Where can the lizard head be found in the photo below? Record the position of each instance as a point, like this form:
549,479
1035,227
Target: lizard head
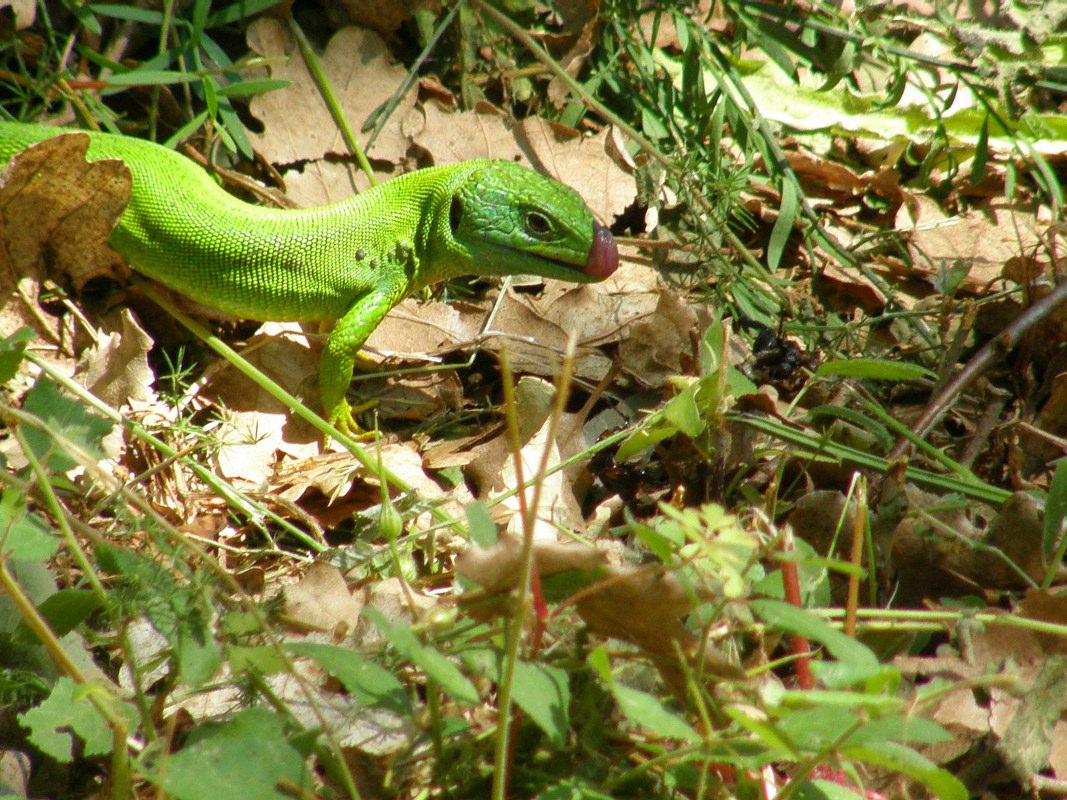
504,219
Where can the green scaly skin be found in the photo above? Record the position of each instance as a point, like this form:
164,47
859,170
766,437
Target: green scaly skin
351,261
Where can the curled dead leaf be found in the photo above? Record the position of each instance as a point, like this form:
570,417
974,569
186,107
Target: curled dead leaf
56,213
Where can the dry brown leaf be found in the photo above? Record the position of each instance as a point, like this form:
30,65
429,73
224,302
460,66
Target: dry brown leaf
25,12
416,330
1036,450
496,569
397,602
298,126
116,369
580,26
73,205
333,486
248,443
944,552
284,353
385,16
984,240
493,465
450,137
582,162
652,326
359,728
641,605
321,601
56,213
16,769
322,182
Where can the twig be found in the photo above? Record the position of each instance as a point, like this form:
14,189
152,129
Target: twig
997,347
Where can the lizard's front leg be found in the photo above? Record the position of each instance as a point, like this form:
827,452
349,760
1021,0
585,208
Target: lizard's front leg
342,347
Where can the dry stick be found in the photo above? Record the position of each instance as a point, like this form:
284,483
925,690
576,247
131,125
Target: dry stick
1001,344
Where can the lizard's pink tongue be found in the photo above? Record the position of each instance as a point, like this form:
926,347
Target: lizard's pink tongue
603,255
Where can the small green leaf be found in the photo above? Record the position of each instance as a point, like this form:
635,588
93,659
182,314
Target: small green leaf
661,546
1055,509
252,88
362,678
543,692
243,9
65,610
904,729
807,698
826,790
803,623
150,77
870,677
600,661
652,126
649,712
62,417
434,663
12,350
980,162
23,534
902,759
480,524
644,438
129,12
875,369
260,659
683,413
197,654
783,226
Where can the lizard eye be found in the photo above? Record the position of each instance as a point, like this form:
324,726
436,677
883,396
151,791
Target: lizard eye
538,223
455,214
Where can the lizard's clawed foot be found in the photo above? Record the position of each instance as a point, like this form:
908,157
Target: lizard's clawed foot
344,419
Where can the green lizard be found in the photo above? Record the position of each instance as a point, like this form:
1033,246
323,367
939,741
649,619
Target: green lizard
351,261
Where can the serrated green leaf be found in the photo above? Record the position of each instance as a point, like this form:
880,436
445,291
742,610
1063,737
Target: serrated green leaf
67,712
64,417
245,757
